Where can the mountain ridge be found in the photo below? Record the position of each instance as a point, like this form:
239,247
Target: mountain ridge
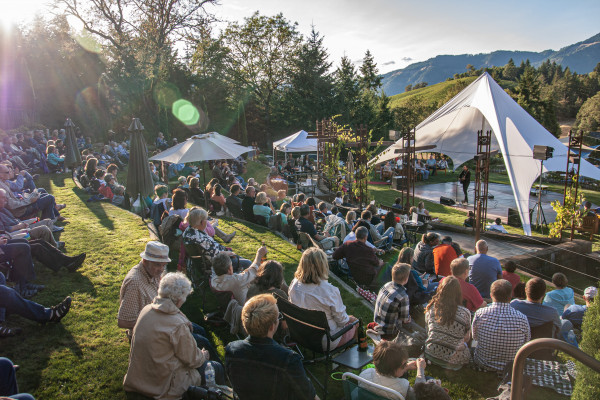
580,57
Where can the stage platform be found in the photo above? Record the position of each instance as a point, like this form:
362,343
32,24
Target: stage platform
497,207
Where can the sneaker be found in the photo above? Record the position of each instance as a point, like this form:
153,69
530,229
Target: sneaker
56,229
9,332
228,238
60,310
76,263
60,245
60,206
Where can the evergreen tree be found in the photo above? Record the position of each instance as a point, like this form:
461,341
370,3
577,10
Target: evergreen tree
347,91
510,71
369,75
308,97
588,117
528,95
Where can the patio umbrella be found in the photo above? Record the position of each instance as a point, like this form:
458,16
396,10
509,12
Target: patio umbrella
139,177
204,147
72,156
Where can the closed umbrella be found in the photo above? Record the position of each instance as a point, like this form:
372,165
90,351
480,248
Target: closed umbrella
204,147
72,155
139,177
350,170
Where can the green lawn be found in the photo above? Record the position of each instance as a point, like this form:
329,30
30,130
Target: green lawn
85,357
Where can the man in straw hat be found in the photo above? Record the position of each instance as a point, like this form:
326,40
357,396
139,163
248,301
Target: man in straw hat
140,287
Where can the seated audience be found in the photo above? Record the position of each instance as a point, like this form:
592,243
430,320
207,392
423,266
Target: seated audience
496,226
54,160
338,199
179,203
484,269
562,296
423,260
362,260
269,279
161,143
398,203
196,234
164,360
160,204
392,306
431,164
262,206
443,256
576,312
421,209
260,368
248,203
519,291
304,225
223,278
234,202
217,196
119,196
310,290
391,364
12,303
389,221
448,327
538,314
472,300
509,274
430,390
499,330
196,194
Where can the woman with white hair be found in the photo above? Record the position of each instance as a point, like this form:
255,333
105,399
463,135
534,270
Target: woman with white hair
164,361
195,234
262,206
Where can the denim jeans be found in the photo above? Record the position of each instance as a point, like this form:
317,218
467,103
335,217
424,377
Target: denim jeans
8,381
202,341
11,302
18,252
45,204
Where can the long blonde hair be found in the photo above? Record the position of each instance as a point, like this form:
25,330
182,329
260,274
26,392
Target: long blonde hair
313,266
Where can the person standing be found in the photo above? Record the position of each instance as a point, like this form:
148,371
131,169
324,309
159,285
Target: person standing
465,179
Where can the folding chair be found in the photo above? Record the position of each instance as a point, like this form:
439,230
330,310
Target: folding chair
352,390
545,330
307,329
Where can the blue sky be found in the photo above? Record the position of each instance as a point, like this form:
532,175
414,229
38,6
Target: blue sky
400,32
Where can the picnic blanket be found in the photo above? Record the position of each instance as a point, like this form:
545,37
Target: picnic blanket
549,374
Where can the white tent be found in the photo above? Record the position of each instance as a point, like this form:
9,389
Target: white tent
485,105
296,143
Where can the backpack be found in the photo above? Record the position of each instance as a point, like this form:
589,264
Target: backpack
169,231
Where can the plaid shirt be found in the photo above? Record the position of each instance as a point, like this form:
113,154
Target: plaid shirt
137,291
391,308
500,331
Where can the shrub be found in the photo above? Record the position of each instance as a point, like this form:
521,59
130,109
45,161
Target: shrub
587,384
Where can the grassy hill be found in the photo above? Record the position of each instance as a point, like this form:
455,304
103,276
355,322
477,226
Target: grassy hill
439,93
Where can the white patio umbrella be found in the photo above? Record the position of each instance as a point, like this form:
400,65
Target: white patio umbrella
203,147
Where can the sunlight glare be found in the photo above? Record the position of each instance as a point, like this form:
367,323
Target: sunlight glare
15,12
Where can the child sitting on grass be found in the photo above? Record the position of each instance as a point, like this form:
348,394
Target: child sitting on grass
391,363
119,196
509,274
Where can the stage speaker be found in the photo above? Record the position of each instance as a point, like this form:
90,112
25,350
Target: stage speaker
542,152
513,218
447,201
397,182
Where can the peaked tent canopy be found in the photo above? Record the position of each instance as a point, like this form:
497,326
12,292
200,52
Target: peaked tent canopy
296,143
485,105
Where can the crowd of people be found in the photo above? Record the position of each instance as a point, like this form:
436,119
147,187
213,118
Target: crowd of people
30,223
468,310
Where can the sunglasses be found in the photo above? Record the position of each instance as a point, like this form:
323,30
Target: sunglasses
280,317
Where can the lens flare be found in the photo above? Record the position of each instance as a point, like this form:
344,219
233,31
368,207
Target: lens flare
186,112
86,41
166,94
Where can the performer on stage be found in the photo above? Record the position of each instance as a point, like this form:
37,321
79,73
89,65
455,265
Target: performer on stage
465,179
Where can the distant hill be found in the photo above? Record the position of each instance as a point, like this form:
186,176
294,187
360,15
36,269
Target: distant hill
439,92
580,57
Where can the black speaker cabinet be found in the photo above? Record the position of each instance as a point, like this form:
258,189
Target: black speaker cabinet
513,218
447,201
397,182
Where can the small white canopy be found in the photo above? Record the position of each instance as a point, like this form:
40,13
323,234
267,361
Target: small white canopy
485,105
296,143
205,147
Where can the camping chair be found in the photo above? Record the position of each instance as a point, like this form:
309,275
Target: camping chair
307,328
198,268
543,331
589,224
352,390
414,233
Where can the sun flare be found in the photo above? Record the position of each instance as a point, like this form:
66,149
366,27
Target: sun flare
15,12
